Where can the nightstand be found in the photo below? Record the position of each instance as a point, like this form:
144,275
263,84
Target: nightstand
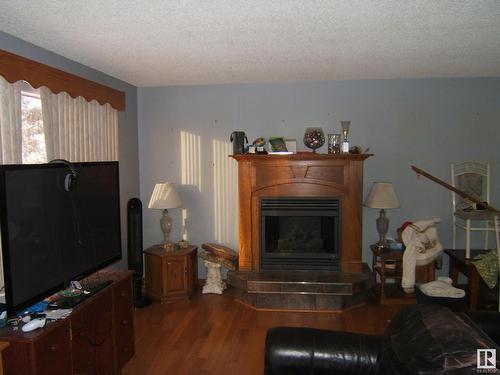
381,256
171,276
380,265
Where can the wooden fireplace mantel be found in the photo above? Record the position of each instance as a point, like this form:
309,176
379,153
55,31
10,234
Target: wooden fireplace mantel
301,175
300,156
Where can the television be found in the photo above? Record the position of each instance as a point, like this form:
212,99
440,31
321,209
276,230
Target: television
52,234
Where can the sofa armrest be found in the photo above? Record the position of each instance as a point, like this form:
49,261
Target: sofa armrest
313,351
488,321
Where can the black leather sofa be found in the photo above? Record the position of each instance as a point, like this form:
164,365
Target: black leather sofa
420,339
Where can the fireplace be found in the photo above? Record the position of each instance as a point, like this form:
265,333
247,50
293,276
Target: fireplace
300,229
301,176
300,233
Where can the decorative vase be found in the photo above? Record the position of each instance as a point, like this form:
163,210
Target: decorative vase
314,138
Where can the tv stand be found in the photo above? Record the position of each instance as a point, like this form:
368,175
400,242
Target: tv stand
97,338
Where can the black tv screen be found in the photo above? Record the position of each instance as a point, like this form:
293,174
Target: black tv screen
50,235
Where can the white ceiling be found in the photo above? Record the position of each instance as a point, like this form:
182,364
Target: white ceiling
157,43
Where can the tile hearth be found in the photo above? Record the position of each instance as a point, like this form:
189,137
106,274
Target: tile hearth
301,290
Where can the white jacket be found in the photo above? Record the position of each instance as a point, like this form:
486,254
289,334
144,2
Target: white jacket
422,247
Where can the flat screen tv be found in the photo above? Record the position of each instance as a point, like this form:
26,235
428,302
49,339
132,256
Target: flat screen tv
50,234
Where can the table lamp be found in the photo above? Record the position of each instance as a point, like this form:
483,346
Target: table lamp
382,196
164,197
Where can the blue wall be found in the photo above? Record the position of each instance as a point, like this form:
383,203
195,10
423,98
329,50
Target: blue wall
127,120
428,123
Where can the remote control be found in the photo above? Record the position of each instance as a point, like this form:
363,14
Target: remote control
33,324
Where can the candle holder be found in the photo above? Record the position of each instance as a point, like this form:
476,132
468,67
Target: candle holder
345,132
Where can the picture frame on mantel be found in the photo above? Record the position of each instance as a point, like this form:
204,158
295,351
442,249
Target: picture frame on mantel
277,144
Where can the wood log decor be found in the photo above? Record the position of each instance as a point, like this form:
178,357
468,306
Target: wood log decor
15,68
301,175
229,264
221,251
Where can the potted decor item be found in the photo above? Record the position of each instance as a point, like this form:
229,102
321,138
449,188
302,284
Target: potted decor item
314,138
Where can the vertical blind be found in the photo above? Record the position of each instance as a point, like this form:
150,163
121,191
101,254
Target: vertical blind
10,122
77,130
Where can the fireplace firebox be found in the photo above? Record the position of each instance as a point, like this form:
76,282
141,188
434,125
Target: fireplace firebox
300,233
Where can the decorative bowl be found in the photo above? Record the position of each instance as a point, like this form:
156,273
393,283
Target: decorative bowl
314,138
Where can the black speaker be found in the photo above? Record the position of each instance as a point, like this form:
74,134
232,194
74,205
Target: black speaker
134,244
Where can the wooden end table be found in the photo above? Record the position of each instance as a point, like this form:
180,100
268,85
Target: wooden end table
423,274
380,256
171,276
458,264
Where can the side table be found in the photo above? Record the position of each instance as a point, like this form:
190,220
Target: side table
458,264
171,276
423,274
380,257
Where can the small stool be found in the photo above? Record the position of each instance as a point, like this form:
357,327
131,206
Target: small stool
214,283
214,257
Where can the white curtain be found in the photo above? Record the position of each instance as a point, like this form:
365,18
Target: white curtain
77,130
11,151
10,123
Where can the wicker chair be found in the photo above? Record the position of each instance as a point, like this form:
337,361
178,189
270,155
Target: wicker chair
473,178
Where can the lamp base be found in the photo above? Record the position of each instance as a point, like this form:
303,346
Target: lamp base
382,227
166,226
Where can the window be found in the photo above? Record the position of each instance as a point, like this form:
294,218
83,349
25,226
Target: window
38,125
33,138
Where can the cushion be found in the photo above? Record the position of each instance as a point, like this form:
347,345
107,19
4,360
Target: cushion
434,340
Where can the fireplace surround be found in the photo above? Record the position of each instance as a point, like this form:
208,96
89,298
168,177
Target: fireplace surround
300,232
301,176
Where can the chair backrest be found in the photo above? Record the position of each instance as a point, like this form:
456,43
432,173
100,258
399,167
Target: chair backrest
497,235
472,177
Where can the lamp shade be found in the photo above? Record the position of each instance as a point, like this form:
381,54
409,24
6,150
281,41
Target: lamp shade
164,196
382,196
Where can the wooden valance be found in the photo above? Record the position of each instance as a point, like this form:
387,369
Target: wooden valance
15,68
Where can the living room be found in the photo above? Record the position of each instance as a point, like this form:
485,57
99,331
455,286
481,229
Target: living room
418,81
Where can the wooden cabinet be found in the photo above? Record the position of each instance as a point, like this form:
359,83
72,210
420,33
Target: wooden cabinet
123,327
44,351
3,345
52,352
91,327
192,272
171,276
97,338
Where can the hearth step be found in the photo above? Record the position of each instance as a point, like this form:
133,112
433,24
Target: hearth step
300,290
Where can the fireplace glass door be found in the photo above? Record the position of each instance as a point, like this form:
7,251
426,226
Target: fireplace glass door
300,233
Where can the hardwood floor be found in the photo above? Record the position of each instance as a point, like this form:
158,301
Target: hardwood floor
213,334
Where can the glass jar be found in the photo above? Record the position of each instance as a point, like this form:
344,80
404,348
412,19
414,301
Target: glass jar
334,143
314,138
